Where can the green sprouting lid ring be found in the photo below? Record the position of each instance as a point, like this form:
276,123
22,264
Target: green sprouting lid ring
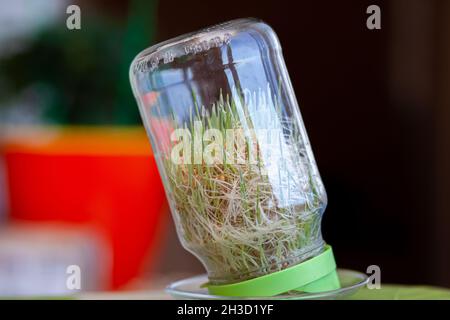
313,275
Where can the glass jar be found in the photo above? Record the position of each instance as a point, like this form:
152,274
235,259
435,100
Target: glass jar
238,170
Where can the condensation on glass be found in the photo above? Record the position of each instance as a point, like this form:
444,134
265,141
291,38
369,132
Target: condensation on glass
238,170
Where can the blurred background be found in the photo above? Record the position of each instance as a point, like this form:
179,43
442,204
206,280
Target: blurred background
78,183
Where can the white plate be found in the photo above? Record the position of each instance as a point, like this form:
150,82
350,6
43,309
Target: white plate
190,288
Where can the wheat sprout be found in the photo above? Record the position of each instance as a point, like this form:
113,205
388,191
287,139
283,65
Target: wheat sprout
237,219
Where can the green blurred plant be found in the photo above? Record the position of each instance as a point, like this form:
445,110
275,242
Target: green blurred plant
82,76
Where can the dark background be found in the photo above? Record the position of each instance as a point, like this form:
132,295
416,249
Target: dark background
375,104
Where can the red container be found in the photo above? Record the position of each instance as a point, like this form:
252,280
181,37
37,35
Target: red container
105,177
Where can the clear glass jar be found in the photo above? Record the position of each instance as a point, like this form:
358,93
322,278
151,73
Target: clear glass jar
232,150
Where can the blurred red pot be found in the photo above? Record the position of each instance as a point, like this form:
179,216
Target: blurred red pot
100,176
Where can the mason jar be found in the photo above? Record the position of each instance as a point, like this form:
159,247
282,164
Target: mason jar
232,150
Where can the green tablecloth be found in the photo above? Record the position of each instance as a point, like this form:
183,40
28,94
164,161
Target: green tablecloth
401,292
387,292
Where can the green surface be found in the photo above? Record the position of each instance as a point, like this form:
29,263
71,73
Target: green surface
402,292
387,292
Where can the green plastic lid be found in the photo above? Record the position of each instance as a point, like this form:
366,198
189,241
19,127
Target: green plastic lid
314,275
